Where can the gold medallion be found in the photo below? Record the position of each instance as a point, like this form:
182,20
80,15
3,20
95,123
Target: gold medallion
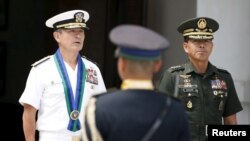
189,104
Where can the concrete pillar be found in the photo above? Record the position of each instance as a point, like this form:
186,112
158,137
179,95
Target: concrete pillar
231,44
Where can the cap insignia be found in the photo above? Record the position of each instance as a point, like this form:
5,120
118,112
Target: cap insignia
79,17
202,23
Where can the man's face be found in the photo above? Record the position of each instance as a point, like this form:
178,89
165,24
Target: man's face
198,50
70,39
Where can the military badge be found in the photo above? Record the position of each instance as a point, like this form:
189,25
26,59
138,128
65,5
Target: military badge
186,81
91,76
189,104
79,17
215,92
185,76
202,23
218,84
74,115
223,85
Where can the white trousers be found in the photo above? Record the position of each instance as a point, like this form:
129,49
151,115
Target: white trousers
55,136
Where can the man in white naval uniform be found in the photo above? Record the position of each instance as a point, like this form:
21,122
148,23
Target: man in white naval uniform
59,85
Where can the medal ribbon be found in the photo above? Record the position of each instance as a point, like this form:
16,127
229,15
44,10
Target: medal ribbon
72,104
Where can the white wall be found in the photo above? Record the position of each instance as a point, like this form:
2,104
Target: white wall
164,16
231,44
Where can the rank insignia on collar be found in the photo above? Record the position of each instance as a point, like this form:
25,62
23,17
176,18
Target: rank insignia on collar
91,76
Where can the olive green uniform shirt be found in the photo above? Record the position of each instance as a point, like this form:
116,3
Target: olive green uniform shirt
207,98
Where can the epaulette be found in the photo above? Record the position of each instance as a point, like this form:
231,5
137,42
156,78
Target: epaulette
222,70
90,60
41,61
176,68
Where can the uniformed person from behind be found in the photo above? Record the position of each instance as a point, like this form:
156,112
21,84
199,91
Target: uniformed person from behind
59,85
207,92
136,112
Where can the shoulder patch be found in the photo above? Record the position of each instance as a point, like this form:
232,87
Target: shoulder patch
41,61
90,60
176,68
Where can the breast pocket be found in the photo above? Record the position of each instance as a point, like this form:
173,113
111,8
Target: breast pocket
190,98
53,93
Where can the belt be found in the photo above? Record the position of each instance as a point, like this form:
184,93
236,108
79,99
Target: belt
59,136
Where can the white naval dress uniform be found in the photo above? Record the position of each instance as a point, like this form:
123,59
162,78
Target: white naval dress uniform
44,91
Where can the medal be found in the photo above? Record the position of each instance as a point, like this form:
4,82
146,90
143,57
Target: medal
74,115
73,102
189,104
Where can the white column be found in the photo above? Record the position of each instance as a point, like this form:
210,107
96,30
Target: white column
232,44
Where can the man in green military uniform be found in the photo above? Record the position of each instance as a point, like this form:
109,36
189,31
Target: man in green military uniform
207,92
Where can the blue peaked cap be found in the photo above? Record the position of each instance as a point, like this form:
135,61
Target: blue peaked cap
138,42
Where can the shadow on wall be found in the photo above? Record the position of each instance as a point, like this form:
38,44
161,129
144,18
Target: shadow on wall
11,118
